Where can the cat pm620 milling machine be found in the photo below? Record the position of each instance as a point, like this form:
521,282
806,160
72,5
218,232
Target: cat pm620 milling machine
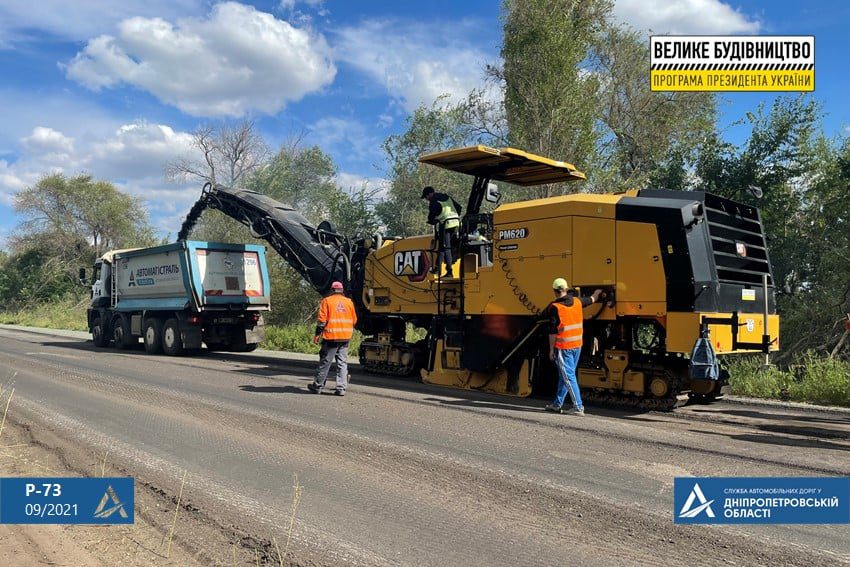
675,265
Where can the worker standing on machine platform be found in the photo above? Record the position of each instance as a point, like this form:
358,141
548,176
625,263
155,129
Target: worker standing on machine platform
566,324
335,328
444,214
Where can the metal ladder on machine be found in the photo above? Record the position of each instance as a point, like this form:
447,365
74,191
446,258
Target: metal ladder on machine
453,339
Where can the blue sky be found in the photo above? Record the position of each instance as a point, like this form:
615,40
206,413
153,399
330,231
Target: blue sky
114,89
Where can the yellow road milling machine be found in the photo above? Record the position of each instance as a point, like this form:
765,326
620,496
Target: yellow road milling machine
680,269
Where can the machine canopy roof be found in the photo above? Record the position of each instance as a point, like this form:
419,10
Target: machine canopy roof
505,164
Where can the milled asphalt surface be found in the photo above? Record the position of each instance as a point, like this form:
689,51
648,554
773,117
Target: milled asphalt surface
398,472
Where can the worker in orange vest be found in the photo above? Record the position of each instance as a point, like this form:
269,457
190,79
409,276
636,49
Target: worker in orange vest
566,326
335,328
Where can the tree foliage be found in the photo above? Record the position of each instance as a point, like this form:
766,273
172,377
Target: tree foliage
67,223
550,96
79,217
647,138
429,129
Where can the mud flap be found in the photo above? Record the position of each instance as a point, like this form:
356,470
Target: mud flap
191,335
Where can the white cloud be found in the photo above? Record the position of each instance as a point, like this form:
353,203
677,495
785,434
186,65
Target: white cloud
10,182
290,4
133,157
415,62
64,113
137,148
234,61
348,181
81,19
685,17
48,140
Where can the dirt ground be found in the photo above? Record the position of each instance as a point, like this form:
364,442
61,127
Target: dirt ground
144,543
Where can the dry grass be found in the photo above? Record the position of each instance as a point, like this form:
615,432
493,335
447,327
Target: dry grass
174,520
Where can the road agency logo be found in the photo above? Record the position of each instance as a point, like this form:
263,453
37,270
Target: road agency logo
696,504
110,504
761,500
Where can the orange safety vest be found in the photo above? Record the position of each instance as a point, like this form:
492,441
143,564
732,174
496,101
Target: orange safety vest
336,312
570,324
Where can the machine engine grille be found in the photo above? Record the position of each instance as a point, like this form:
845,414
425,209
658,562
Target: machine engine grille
737,241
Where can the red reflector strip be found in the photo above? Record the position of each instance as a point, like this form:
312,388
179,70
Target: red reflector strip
214,292
251,292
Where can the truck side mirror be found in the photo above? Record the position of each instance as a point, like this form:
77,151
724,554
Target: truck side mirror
82,276
492,195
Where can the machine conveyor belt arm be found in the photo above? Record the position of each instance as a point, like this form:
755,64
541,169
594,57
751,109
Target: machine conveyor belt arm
320,256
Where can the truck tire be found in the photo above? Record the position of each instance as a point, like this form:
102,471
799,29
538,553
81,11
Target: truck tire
98,338
153,336
121,336
172,343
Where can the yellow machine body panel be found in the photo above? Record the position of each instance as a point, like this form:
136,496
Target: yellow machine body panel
683,331
641,286
448,371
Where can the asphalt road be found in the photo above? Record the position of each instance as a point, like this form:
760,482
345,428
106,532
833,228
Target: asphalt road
398,472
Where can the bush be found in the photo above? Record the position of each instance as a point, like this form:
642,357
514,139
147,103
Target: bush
823,381
811,378
299,338
748,378
66,313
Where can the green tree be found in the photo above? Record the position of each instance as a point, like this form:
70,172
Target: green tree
302,177
813,315
433,129
305,179
648,138
549,94
67,223
79,217
778,159
33,276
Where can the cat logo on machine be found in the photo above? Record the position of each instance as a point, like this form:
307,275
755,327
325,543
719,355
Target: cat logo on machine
513,233
412,263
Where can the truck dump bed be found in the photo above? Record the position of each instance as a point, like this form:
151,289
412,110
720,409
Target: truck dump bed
204,276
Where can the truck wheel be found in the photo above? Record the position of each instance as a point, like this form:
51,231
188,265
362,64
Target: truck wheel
97,336
153,336
121,336
172,343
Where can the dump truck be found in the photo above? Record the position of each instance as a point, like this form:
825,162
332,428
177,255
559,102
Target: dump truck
679,269
177,296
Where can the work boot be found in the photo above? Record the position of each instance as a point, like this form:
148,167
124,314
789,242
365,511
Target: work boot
554,409
313,388
575,411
